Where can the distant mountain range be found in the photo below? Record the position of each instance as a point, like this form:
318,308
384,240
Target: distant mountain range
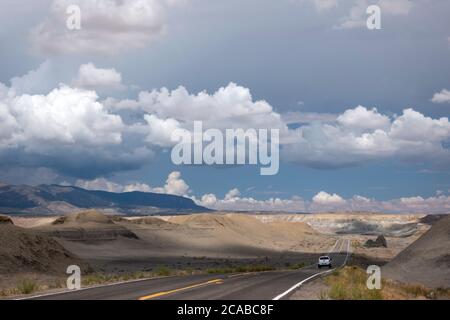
55,199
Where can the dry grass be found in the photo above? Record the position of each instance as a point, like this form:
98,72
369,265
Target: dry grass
27,286
163,271
397,290
349,283
244,268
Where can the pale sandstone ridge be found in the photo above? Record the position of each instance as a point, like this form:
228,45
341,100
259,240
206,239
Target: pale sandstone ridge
250,231
83,217
148,222
395,225
85,226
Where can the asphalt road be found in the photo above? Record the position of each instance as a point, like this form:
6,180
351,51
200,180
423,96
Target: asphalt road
244,286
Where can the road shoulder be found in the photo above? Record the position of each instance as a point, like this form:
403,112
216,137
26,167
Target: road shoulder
312,290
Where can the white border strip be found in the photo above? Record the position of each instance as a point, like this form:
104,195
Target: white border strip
298,285
280,296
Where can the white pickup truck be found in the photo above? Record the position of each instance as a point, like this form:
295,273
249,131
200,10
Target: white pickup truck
324,261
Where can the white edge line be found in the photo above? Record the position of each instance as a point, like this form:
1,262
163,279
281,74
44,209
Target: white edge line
280,296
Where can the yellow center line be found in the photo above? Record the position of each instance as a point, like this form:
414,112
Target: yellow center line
163,293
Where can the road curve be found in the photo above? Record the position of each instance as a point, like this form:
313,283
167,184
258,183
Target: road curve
244,286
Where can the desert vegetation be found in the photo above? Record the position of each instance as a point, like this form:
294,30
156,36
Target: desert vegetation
349,283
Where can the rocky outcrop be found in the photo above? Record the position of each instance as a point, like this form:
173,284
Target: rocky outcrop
379,242
5,220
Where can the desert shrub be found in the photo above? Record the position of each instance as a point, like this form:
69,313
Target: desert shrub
163,271
356,244
220,270
243,268
337,291
27,286
189,270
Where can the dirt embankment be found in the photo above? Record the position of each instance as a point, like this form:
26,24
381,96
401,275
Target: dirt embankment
425,261
24,250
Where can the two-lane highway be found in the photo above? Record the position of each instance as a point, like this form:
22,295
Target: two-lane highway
244,286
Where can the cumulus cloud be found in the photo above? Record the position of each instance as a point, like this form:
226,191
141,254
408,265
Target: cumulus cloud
71,130
67,130
229,107
36,81
361,118
142,187
208,200
91,77
352,138
441,97
107,185
415,204
232,194
325,202
65,116
98,184
324,198
233,201
107,26
360,135
159,131
174,185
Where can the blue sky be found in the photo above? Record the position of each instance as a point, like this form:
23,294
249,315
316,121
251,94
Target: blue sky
310,59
